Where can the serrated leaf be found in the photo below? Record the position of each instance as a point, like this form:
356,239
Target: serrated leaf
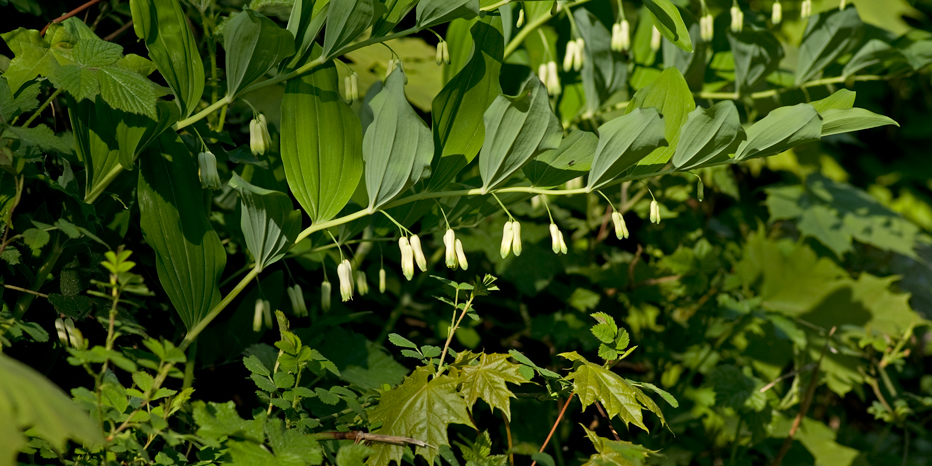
605,332
517,128
346,20
172,47
623,142
622,340
36,239
670,95
263,383
126,90
397,146
321,143
189,255
607,353
757,54
829,35
401,341
96,53
709,136
77,80
836,121
572,159
434,12
614,451
41,136
32,57
430,351
486,380
254,44
353,454
782,129
12,106
143,380
663,393
255,366
216,420
669,22
283,380
420,408
291,447
459,108
268,221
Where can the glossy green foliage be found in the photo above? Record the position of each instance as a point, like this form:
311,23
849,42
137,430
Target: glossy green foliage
254,44
572,159
321,144
757,55
397,147
268,221
162,24
670,95
709,136
782,129
669,22
516,130
828,35
433,12
304,24
623,143
189,256
603,71
346,19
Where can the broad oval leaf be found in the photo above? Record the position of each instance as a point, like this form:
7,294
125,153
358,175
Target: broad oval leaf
269,223
434,12
517,129
306,20
346,20
397,10
603,71
623,142
321,143
188,255
874,52
571,160
172,47
254,44
836,121
397,147
669,94
668,21
842,98
829,35
782,129
757,54
459,108
709,136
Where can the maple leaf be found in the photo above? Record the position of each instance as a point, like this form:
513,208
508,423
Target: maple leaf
419,408
487,379
615,451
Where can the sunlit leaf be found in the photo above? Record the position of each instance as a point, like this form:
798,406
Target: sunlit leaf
836,121
616,452
433,12
782,129
829,35
709,136
842,98
269,223
668,21
571,160
671,96
254,44
486,380
623,142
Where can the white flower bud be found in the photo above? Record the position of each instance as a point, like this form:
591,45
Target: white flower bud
507,237
563,248
654,212
805,9
347,89
624,35
257,316
389,67
449,243
381,280
520,16
842,5
267,313
325,290
737,19
361,284
259,139
207,170
461,256
516,240
296,295
555,238
553,79
446,52
439,58
568,56
707,27
345,274
621,230
264,131
615,43
407,258
62,333
74,335
655,39
777,15
578,54
418,253
542,74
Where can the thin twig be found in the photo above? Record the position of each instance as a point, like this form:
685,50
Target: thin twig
121,30
359,436
555,424
24,290
70,14
787,375
610,426
511,455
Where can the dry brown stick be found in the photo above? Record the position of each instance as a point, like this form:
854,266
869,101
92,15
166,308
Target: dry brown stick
70,14
121,30
610,426
555,424
804,406
511,455
360,436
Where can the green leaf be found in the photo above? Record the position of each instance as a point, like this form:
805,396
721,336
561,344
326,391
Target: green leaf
571,160
126,90
671,96
353,454
401,341
268,221
434,12
172,47
34,56
874,52
842,98
605,332
603,71
836,121
397,146
623,142
668,21
321,143
41,136
614,451
143,380
254,44
346,20
12,106
593,382
663,393
516,130
829,35
217,420
397,10
291,447
757,54
173,218
305,22
458,109
30,401
486,380
709,136
420,408
36,239
783,129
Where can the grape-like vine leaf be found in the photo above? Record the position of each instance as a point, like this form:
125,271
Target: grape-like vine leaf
486,380
419,408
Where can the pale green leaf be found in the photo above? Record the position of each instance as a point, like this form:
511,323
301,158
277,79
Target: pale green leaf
669,22
397,10
33,57
433,12
783,129
346,20
353,454
254,44
572,159
268,221
603,71
842,98
80,82
173,218
41,136
397,146
836,121
709,136
24,100
593,383
516,130
486,380
829,35
671,96
615,452
623,142
757,54
874,52
304,23
321,143
96,52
